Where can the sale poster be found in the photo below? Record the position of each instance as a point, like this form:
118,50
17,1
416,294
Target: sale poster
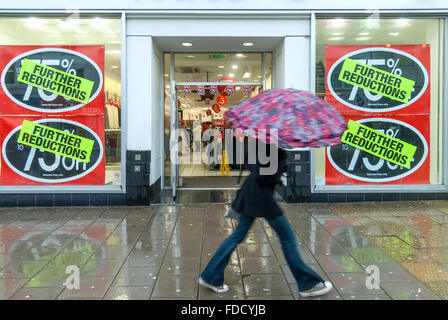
52,115
369,80
384,88
53,151
346,164
51,80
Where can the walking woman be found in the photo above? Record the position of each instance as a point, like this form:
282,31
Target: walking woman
255,199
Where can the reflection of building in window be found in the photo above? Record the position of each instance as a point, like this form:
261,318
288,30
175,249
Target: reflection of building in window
112,117
113,133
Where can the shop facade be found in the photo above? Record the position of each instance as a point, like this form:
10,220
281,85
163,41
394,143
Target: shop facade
92,99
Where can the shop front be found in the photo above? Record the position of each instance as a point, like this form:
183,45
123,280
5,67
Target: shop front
112,107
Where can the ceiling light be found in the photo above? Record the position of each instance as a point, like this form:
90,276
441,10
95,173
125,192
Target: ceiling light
220,75
246,75
402,22
231,75
394,34
336,34
248,44
221,67
335,38
99,23
337,22
34,23
240,55
114,67
165,75
190,57
364,34
362,38
187,44
235,66
113,51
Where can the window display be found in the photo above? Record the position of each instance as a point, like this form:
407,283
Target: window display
373,75
59,101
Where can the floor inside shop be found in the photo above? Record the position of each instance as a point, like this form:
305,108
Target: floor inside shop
205,176
158,252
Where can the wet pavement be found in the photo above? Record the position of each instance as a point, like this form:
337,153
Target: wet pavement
157,252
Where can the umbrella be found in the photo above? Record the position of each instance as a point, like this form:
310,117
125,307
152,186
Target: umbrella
301,118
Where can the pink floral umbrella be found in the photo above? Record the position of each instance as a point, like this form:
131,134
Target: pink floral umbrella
302,119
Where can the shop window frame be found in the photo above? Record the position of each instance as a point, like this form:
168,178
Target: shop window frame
82,189
388,188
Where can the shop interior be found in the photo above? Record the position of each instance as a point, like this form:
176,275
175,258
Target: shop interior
200,110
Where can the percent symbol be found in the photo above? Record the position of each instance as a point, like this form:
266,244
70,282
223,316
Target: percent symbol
393,64
67,64
392,132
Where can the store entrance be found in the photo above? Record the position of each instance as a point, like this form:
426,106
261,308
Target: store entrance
204,150
207,143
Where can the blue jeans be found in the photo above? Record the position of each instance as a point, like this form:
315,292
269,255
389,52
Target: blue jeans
305,277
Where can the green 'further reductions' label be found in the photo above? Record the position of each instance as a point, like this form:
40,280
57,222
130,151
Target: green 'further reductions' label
55,141
376,80
378,144
55,81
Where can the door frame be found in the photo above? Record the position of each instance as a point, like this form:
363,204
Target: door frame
174,168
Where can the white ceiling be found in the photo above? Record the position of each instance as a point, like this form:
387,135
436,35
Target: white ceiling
218,44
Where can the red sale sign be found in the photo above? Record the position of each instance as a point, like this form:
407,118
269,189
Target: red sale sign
221,100
345,164
378,86
25,165
63,63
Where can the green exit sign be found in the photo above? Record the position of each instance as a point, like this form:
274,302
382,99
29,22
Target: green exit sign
217,56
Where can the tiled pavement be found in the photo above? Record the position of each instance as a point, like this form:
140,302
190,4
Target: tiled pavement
157,252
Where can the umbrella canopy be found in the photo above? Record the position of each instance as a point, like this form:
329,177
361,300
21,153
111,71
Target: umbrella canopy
301,118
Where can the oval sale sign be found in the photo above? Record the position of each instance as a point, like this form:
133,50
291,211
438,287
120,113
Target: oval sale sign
364,160
52,151
51,79
377,79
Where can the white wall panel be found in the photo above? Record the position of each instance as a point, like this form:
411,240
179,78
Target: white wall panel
203,27
156,112
225,4
297,62
278,66
291,64
138,84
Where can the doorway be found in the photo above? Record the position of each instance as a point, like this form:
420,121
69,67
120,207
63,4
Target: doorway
199,88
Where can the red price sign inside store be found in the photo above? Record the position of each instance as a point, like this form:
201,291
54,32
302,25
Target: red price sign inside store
221,100
216,108
219,123
55,86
